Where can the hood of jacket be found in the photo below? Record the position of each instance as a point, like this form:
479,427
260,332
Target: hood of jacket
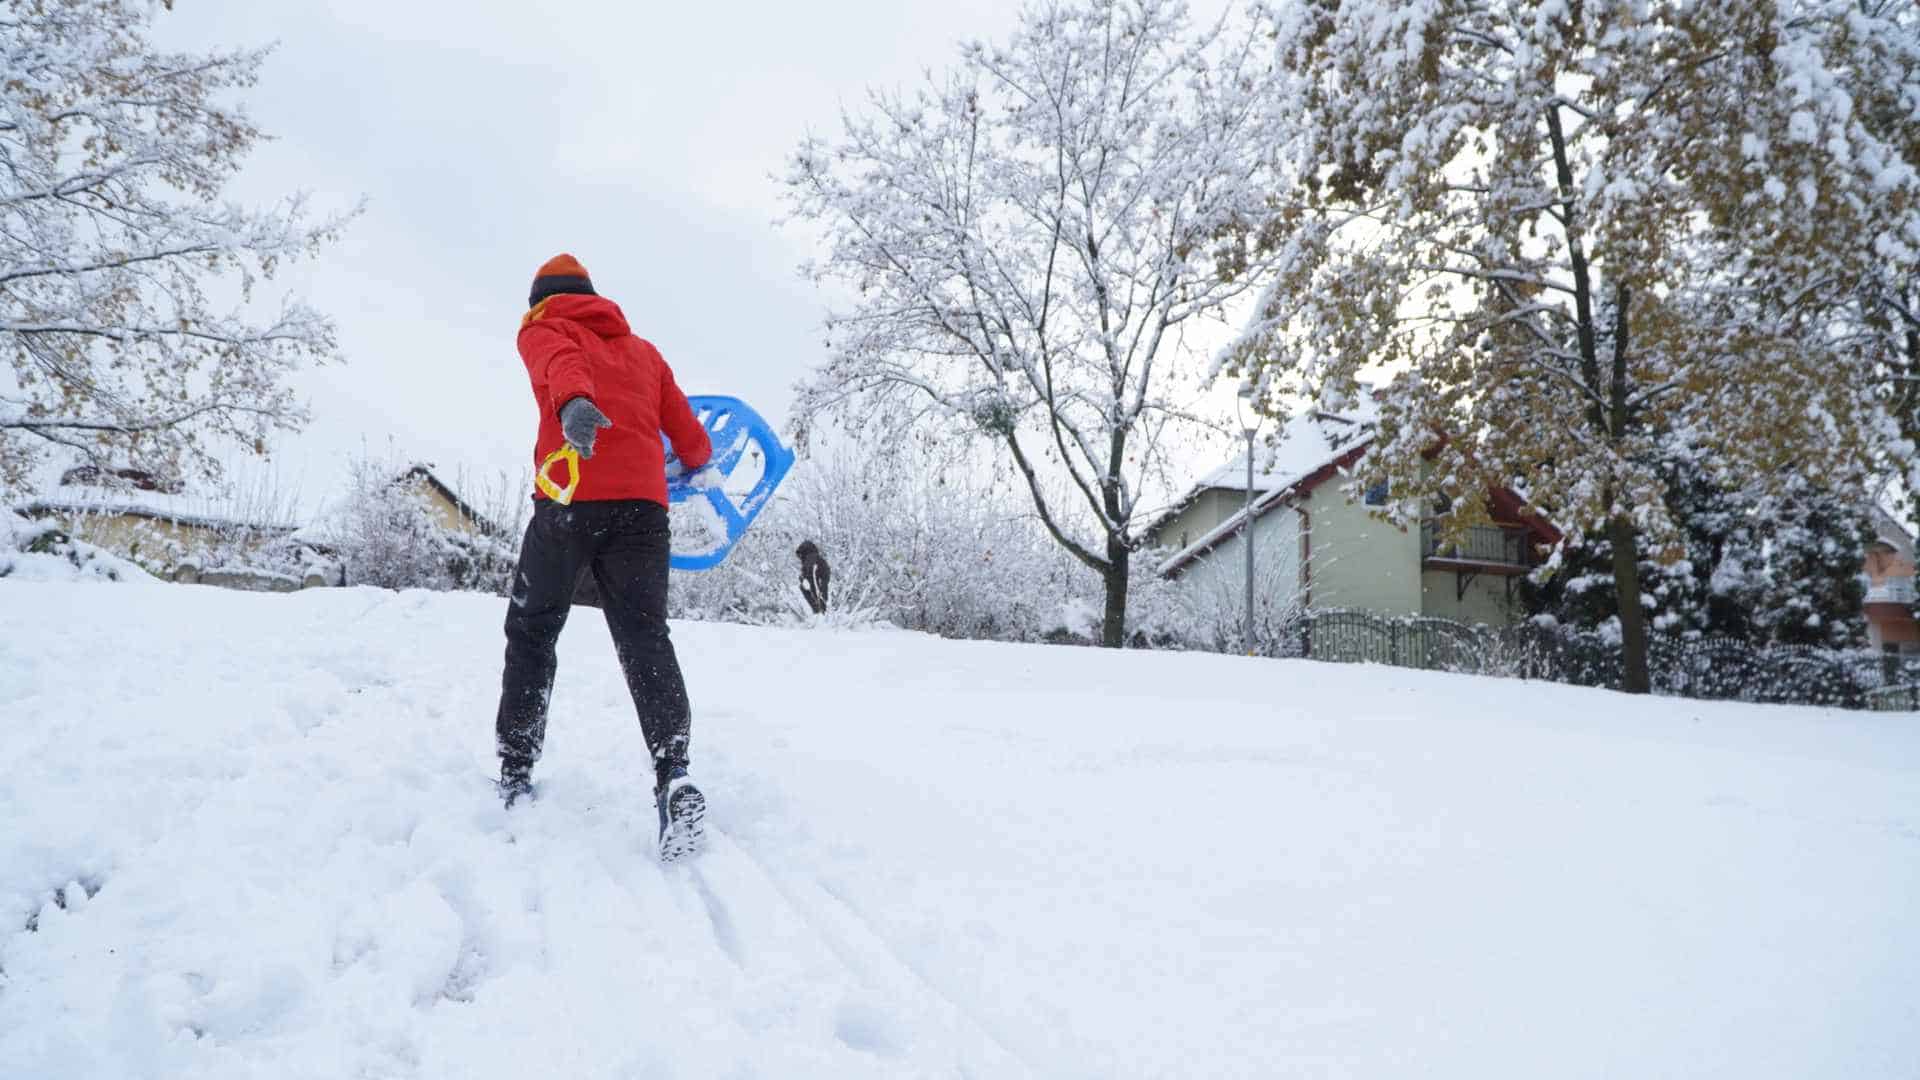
596,313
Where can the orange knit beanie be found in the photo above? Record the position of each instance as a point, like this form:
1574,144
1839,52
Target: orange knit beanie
560,274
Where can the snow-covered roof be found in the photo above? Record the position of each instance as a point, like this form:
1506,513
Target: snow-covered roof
1888,504
321,527
1310,448
1307,442
425,471
62,488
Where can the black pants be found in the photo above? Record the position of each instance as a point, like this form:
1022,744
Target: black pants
625,544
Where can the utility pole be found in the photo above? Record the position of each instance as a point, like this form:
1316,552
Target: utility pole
1249,423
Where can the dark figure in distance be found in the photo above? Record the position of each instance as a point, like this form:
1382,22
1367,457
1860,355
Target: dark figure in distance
814,576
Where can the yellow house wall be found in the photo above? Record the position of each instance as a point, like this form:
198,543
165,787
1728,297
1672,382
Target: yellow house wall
154,543
1485,599
1207,512
445,513
1276,550
1360,562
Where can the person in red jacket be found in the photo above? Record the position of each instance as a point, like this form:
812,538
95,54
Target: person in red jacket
611,395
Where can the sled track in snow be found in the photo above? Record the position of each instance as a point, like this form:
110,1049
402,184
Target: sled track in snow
861,950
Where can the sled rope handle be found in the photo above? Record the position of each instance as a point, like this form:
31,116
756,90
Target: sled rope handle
561,495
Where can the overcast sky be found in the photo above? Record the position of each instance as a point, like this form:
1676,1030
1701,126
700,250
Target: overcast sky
487,136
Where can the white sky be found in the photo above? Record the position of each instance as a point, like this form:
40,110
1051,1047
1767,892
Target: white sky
488,136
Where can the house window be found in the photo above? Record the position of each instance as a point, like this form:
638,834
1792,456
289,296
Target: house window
1377,494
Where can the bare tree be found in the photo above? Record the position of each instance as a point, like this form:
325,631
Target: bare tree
1030,239
921,537
113,235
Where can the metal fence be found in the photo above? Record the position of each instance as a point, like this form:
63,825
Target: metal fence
1707,667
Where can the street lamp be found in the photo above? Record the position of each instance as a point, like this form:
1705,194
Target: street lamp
1249,423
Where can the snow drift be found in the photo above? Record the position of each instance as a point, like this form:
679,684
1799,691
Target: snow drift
254,835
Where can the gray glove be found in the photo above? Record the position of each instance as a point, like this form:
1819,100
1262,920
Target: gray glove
580,422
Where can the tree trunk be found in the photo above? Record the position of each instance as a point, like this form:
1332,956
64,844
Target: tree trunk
1633,619
1113,624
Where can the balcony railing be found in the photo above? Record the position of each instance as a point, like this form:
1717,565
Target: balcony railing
1493,545
1891,591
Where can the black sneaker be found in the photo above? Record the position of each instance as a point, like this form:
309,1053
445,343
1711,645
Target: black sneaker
515,784
683,812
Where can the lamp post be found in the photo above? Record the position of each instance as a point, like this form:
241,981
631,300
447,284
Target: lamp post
1249,423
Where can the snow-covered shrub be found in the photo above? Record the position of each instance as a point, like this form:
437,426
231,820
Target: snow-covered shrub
383,532
41,551
236,528
1208,611
502,502
913,540
481,562
1772,563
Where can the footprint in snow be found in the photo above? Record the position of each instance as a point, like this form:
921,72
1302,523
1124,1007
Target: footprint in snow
864,1027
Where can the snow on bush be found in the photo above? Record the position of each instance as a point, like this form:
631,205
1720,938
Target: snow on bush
248,530
913,541
1208,611
40,551
384,533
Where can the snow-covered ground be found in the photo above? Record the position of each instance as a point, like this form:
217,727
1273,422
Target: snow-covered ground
254,836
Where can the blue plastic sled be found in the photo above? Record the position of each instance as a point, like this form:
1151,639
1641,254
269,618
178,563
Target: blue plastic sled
735,429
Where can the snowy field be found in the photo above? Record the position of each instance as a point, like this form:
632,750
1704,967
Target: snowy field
255,836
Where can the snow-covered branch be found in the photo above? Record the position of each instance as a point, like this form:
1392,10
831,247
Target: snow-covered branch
112,235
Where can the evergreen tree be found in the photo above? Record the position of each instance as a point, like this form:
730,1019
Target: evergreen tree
1811,590
1761,569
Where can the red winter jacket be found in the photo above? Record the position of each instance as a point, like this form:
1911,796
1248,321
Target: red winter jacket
577,345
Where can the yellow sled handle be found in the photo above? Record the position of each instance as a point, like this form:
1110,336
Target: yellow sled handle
560,495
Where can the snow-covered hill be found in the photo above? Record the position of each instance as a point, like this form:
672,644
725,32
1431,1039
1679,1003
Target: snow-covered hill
254,836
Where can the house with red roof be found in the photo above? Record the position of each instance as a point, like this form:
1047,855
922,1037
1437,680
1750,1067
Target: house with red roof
1334,549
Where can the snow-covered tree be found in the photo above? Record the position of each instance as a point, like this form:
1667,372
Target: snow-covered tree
1771,567
384,534
1578,229
1891,311
118,256
1880,84
1029,242
1810,585
917,536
